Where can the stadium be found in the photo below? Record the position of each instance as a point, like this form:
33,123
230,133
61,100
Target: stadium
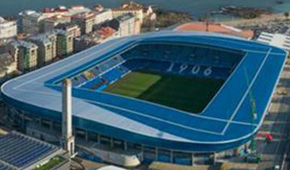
172,95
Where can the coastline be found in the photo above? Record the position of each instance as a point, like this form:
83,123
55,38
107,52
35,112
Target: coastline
256,21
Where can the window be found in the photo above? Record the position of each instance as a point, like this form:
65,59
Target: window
33,52
93,136
80,133
105,140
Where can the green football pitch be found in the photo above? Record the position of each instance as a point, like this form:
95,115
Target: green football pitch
180,92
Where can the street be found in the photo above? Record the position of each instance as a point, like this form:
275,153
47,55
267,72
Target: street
277,124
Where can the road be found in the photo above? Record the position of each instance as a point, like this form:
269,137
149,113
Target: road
277,122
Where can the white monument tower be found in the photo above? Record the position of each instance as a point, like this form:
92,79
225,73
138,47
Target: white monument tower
68,142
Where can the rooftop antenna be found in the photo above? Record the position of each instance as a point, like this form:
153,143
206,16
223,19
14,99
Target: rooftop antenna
206,20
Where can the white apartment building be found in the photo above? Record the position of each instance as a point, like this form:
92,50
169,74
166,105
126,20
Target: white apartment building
103,15
8,29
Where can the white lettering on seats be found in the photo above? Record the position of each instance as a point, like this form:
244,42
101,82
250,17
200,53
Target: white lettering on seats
183,67
170,67
195,69
207,71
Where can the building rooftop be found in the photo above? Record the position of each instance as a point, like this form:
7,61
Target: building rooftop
110,168
2,20
65,26
100,11
31,13
84,15
44,38
215,28
73,10
23,43
59,18
125,17
19,151
162,166
60,31
278,40
99,7
106,31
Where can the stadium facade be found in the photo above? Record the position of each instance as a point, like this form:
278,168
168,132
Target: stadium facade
231,118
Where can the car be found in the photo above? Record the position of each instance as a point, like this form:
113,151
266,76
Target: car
253,158
276,167
282,92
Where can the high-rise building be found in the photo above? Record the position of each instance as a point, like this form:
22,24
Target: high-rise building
64,43
46,48
25,54
137,28
50,23
85,21
8,29
31,22
125,24
102,15
71,28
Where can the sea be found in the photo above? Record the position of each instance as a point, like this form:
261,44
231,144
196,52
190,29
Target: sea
197,8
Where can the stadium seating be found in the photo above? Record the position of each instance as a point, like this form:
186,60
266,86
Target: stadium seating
166,58
118,71
186,54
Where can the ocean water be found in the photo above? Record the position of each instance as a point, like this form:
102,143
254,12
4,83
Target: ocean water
197,8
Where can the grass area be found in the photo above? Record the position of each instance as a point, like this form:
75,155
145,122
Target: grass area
53,162
180,92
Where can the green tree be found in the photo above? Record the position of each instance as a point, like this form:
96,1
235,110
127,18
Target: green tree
286,14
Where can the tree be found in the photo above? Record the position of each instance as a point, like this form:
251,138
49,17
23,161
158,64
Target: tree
286,14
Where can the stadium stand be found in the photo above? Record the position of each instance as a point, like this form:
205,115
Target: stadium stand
139,57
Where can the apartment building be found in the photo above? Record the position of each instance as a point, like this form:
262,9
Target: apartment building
85,21
64,43
71,28
8,29
102,15
124,24
51,23
31,22
46,48
25,54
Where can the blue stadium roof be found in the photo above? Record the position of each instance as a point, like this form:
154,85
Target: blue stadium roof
227,121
